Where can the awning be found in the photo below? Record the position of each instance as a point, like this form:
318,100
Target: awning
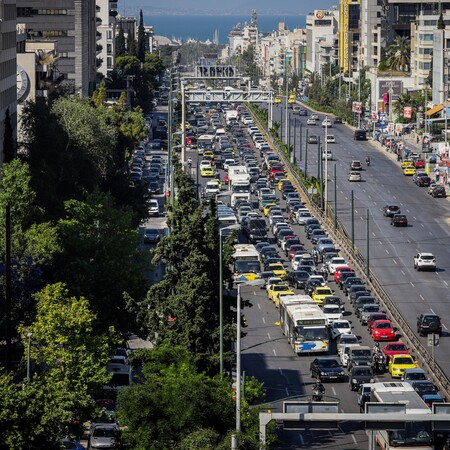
435,110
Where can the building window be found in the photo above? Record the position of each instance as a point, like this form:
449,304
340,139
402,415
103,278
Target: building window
109,49
426,37
425,51
430,23
109,34
109,62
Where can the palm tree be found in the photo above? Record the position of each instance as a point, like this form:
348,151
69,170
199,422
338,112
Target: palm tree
399,54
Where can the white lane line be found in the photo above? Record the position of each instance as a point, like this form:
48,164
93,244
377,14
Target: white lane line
302,441
422,225
354,439
373,234
421,296
334,390
274,352
445,282
264,319
287,392
380,242
414,218
430,233
403,273
254,293
395,262
432,311
268,335
387,251
412,284
259,306
444,327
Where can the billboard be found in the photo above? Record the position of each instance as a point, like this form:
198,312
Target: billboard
407,112
389,87
216,72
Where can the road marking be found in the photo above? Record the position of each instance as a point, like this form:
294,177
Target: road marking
274,352
254,293
259,306
268,335
373,234
264,320
334,390
432,311
395,262
412,284
445,283
287,392
414,218
302,441
403,273
421,296
354,439
380,242
443,326
386,250
422,225
430,233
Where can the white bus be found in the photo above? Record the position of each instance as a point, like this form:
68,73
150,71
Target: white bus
205,142
414,436
246,263
304,323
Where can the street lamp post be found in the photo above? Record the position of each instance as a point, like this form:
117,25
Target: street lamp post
231,227
326,166
29,356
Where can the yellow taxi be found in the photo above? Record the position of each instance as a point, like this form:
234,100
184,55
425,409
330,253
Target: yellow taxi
282,182
406,163
409,170
278,270
399,363
219,182
291,98
208,154
206,171
275,290
267,207
277,100
320,292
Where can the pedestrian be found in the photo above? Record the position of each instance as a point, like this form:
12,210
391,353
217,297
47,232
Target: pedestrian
437,174
418,139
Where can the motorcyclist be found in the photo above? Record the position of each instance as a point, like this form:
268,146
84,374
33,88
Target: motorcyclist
376,348
368,160
318,390
189,162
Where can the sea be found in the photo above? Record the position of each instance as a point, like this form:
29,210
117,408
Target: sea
205,27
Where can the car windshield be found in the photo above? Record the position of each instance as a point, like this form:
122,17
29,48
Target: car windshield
328,363
348,339
363,352
332,310
403,360
427,257
341,325
279,288
312,334
247,266
104,432
384,325
424,387
397,348
324,291
361,372
416,376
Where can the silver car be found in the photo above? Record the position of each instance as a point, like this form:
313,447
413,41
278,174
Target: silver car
354,176
104,436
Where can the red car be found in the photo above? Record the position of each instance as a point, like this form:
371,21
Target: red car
382,330
338,270
373,318
395,348
294,249
419,164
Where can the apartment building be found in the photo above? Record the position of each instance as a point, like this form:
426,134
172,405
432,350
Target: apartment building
73,24
8,66
106,35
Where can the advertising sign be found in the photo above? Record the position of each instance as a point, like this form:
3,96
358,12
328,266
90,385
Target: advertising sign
357,107
386,87
407,112
216,72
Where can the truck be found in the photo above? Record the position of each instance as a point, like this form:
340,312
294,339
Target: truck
236,172
304,323
239,183
231,116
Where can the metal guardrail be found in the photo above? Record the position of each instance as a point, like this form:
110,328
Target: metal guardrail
340,236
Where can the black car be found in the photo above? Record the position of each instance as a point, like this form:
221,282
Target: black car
151,236
390,210
317,234
399,220
311,228
313,139
337,120
349,282
153,187
302,112
424,387
439,191
333,300
360,375
360,135
298,278
429,323
423,181
357,289
327,369
343,277
311,221
311,285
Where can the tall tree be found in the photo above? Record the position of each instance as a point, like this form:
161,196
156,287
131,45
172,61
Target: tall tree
9,146
141,38
399,54
121,49
132,48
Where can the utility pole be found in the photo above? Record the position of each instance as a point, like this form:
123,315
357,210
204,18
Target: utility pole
352,207
367,245
326,167
287,94
335,198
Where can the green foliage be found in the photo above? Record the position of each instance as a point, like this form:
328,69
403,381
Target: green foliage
415,100
141,38
399,54
120,43
65,343
36,415
101,259
174,400
99,97
42,244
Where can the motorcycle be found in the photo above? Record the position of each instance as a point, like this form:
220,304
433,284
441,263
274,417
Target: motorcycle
368,162
318,391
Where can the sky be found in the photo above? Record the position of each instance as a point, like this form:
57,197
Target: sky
231,6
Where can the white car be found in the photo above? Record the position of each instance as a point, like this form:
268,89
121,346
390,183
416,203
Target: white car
326,123
272,281
314,116
335,262
346,339
228,162
298,261
345,352
340,327
311,121
327,155
205,163
330,139
303,216
354,176
274,218
424,261
320,278
332,313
